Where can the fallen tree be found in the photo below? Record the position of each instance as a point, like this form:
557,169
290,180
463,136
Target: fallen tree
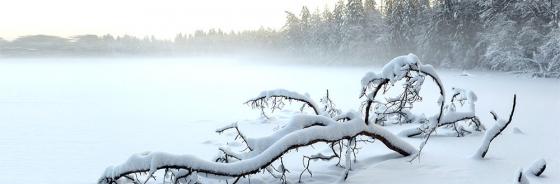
340,131
300,136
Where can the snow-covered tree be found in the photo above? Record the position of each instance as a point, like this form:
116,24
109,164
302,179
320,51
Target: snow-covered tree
305,20
402,19
353,31
330,32
339,14
452,33
374,31
341,131
548,56
265,154
292,30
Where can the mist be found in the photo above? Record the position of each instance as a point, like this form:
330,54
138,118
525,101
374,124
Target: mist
517,37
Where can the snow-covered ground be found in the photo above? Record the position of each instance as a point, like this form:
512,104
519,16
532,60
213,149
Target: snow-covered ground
65,121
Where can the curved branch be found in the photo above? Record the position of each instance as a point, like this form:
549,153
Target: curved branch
428,70
261,100
298,122
372,98
333,132
493,132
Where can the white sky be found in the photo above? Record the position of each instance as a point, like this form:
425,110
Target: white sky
161,18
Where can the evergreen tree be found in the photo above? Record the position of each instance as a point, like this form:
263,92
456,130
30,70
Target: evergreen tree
548,58
330,31
402,19
373,26
305,21
353,32
292,31
339,14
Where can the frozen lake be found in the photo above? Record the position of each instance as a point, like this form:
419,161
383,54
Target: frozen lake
64,121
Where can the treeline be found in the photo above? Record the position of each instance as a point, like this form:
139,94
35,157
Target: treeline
200,42
506,35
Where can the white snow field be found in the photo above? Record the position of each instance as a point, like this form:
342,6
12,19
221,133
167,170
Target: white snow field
66,120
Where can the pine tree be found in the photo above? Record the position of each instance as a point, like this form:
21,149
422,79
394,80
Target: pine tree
402,19
292,31
305,18
374,30
373,20
317,33
353,31
305,21
330,32
339,16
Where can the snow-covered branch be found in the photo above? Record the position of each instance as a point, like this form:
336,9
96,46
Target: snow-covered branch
405,68
328,106
493,132
452,117
331,131
412,72
275,99
536,168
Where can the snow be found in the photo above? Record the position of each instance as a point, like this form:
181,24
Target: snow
395,69
516,130
465,74
65,121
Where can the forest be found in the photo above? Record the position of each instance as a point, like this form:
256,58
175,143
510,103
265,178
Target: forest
518,36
